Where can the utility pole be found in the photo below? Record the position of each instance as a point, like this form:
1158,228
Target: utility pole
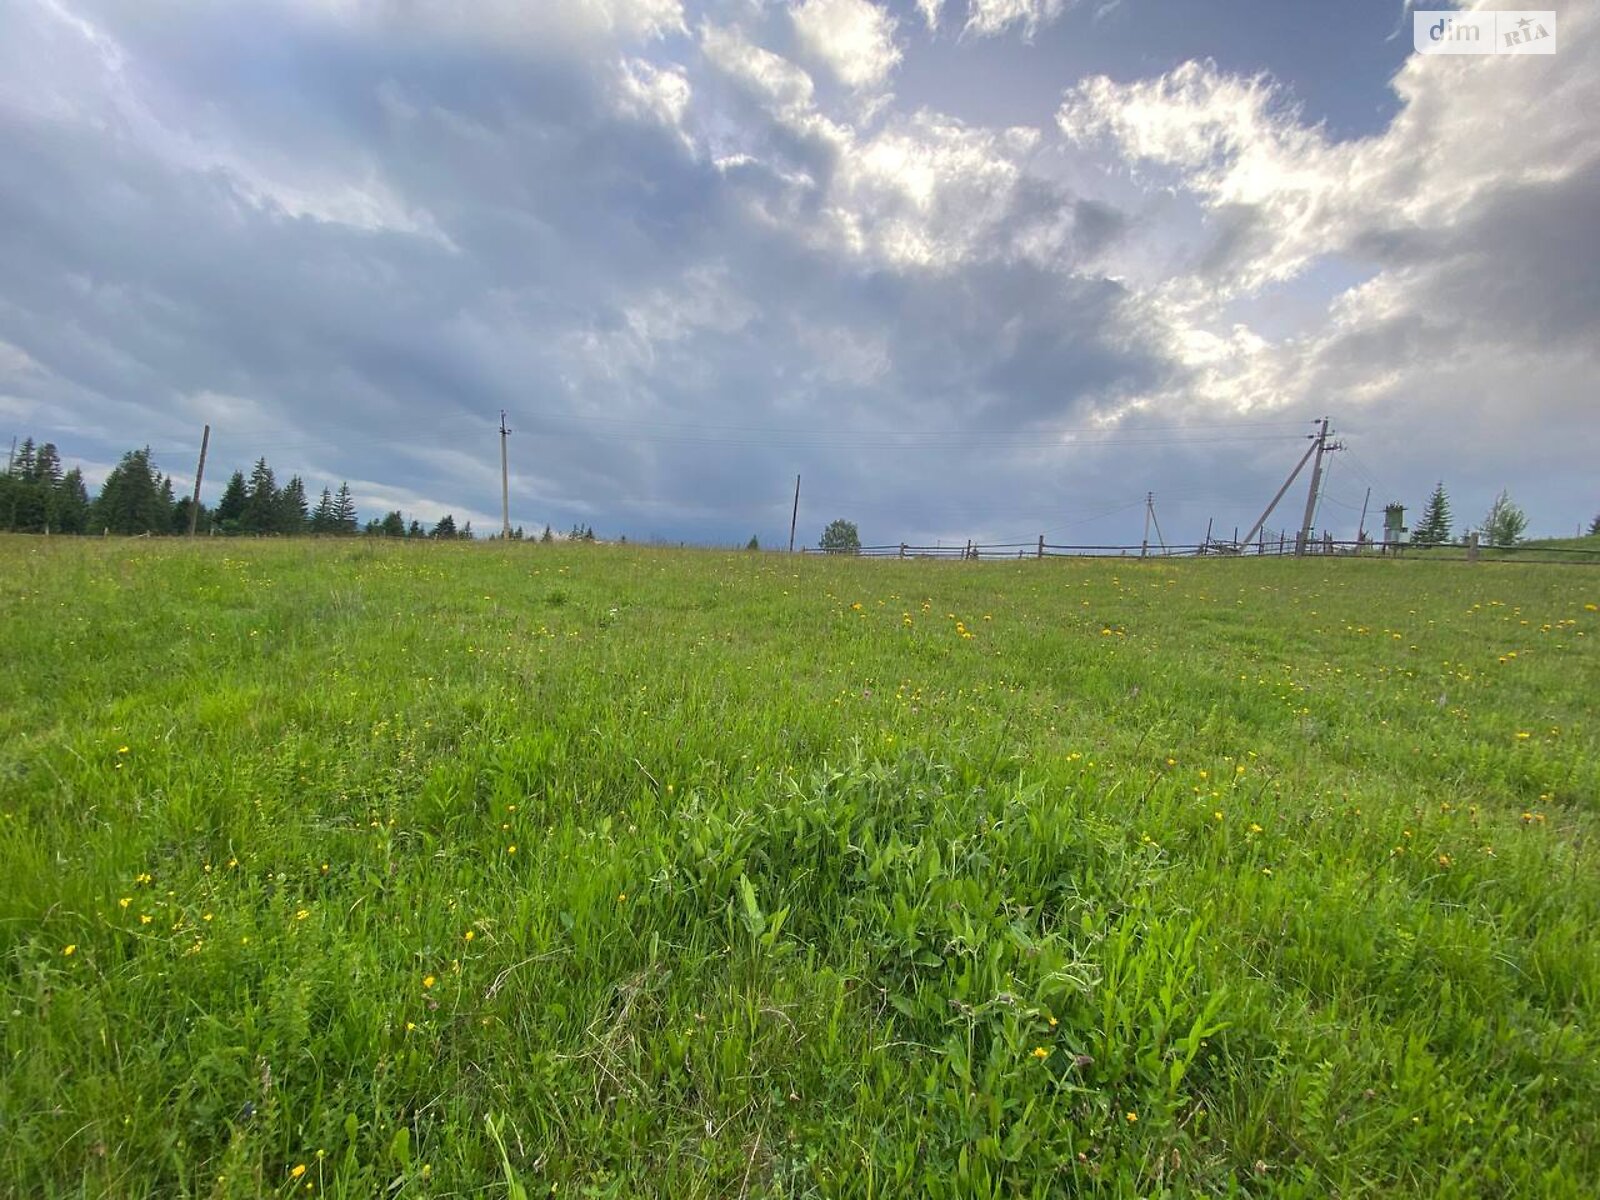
1361,529
1303,542
505,481
199,474
12,457
794,517
1157,520
1287,483
1149,511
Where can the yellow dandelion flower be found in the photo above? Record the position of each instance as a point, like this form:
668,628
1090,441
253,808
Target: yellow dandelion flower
145,918
428,981
468,935
297,1170
1254,828
511,849
622,897
124,901
70,949
1040,1052
1444,860
1217,816
1133,1118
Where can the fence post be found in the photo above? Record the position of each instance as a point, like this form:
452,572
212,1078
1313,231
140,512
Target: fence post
1041,545
1472,547
902,549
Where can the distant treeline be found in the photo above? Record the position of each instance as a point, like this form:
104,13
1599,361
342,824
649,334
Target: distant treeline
36,496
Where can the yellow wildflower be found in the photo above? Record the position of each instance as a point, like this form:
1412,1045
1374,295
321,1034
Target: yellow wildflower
70,949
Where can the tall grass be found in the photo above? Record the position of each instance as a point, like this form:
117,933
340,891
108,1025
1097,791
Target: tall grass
362,869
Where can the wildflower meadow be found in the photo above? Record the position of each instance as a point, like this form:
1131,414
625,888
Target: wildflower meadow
366,869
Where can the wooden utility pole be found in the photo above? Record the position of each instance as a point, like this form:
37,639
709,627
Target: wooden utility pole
505,481
794,517
199,474
1361,529
1287,483
1149,509
1303,542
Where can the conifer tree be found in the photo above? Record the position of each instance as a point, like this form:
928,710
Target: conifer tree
1434,527
446,527
414,530
261,509
70,512
393,525
135,498
292,515
322,515
230,509
344,512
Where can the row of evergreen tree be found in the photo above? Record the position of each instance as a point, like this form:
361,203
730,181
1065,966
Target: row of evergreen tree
36,496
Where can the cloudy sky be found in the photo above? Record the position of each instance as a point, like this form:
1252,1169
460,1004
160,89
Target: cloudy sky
974,268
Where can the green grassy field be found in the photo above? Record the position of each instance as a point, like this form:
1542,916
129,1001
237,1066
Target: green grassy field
373,869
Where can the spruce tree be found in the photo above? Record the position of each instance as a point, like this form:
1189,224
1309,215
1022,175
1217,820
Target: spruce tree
292,515
548,536
230,509
261,509
1594,526
134,499
47,466
414,530
1434,527
446,527
70,510
30,492
344,512
393,525
322,515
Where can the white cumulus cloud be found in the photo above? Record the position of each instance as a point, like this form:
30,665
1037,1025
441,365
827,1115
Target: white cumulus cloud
854,38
